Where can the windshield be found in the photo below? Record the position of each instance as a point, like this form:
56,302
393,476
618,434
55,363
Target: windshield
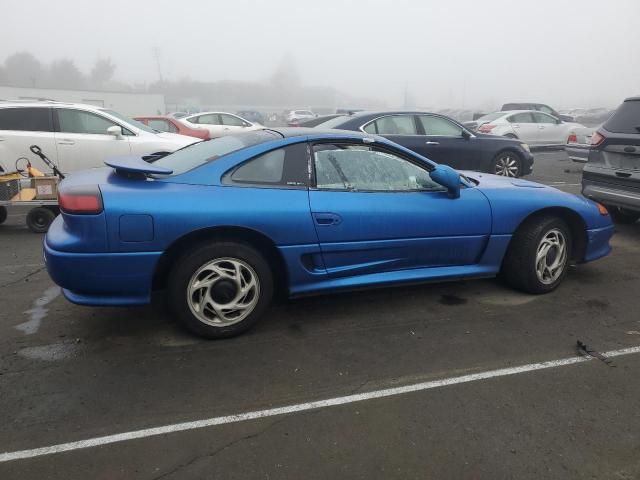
489,117
200,153
130,121
333,122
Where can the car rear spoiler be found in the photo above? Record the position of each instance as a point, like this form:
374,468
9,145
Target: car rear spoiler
133,164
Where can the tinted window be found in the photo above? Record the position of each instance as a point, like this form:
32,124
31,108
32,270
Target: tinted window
351,167
162,125
626,118
26,119
439,126
287,166
200,153
394,125
78,121
232,121
521,118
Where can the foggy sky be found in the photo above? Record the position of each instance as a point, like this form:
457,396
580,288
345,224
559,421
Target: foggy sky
456,53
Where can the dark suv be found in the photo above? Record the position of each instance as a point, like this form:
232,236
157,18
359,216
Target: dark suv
612,173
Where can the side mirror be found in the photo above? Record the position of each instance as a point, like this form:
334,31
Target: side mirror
466,135
448,178
116,131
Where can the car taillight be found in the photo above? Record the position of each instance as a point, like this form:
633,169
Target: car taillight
573,138
80,200
596,139
486,128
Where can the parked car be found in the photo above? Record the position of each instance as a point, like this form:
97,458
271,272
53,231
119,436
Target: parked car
76,136
612,173
220,123
579,143
227,223
252,116
537,129
539,107
442,140
165,123
178,114
314,122
296,116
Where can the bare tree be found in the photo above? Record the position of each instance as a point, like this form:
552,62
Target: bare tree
23,70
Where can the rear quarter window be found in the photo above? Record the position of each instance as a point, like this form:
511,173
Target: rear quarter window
626,119
28,119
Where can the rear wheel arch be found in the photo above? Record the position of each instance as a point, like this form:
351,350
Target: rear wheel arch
263,244
574,221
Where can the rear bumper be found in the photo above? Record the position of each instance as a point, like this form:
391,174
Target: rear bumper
102,278
611,193
577,153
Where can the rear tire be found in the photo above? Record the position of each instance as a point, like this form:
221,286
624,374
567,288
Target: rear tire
622,215
3,214
39,219
538,256
221,289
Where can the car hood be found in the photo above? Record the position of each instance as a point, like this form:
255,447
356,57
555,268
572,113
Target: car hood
513,199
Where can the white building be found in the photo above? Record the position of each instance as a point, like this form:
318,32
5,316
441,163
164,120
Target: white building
126,103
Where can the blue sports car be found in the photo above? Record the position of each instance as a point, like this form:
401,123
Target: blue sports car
224,224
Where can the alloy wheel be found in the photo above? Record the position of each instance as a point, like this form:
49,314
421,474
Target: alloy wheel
507,166
551,256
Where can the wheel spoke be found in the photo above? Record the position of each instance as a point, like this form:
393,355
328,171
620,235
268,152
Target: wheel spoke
551,256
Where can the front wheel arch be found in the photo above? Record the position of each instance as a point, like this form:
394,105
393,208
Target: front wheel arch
576,223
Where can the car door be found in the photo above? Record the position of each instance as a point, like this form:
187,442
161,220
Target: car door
550,129
447,142
376,210
525,127
83,141
232,124
210,121
21,127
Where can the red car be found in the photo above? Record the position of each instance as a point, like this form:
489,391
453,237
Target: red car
164,123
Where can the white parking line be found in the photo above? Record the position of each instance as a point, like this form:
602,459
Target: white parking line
300,407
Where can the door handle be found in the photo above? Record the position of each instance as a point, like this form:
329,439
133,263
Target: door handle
432,143
66,141
326,219
516,126
540,127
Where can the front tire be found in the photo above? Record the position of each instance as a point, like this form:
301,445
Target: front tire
622,215
538,256
507,164
220,290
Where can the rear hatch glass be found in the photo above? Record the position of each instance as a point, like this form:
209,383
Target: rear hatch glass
626,119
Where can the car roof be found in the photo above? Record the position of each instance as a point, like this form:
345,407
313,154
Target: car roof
632,99
289,132
47,104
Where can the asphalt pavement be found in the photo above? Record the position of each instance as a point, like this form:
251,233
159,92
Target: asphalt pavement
464,380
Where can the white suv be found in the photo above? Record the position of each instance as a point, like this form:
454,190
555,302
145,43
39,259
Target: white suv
76,136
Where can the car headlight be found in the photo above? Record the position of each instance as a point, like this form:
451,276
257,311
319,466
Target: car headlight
525,147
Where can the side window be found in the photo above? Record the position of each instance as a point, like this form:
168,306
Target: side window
521,118
356,167
395,125
545,109
26,119
162,125
208,119
433,125
285,167
232,121
543,118
371,128
78,121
